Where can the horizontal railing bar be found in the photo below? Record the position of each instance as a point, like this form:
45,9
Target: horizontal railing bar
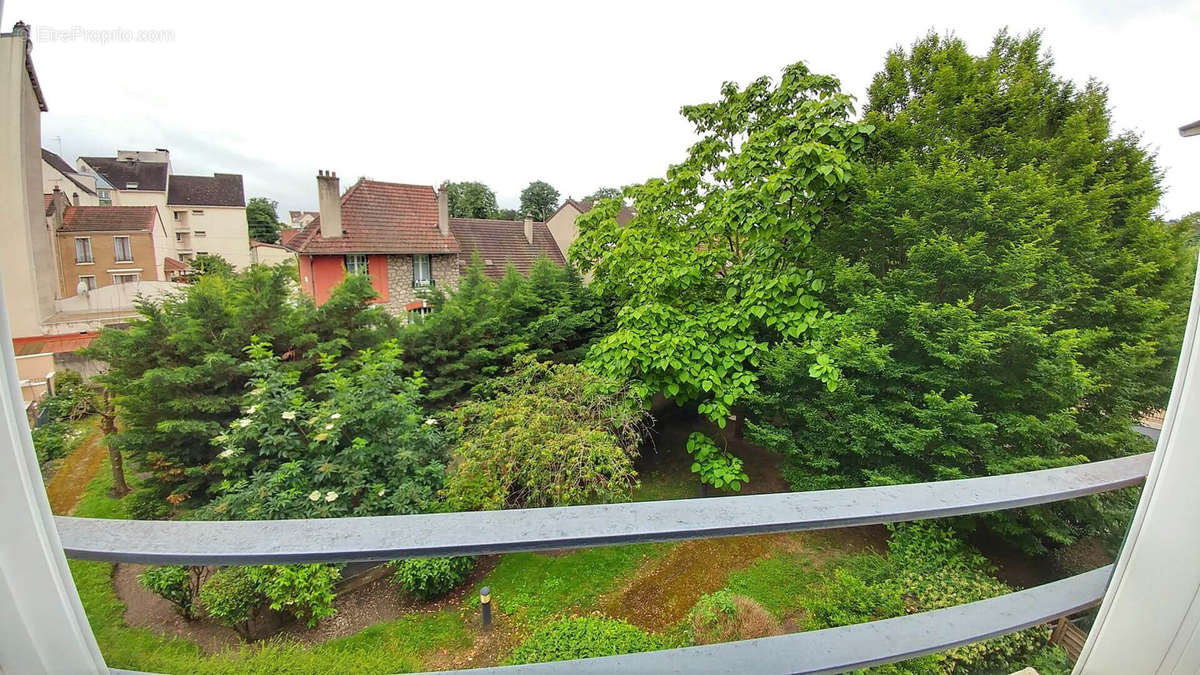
472,533
845,648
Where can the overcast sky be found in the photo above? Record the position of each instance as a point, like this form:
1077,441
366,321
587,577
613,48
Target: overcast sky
579,95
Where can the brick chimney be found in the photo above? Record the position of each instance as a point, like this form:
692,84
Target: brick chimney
58,204
329,201
529,229
443,201
75,198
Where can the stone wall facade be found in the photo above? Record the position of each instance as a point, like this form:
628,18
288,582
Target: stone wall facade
400,278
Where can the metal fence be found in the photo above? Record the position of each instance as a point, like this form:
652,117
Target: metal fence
825,651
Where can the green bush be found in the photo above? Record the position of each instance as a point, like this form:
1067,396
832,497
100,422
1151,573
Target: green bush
304,591
53,440
552,435
583,637
147,504
724,616
429,578
177,584
72,399
232,596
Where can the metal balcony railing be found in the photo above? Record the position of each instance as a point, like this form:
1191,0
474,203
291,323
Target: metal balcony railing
825,651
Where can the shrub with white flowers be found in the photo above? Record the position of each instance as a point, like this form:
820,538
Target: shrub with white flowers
355,442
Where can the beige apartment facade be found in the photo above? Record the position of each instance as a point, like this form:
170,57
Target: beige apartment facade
27,256
99,246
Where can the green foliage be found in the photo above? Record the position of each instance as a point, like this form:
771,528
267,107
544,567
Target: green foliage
304,591
539,200
476,332
583,637
179,373
552,435
176,584
711,273
927,568
54,440
429,578
262,220
232,596
210,264
1006,300
72,398
604,193
471,200
717,466
353,443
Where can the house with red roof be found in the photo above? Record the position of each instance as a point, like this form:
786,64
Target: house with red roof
402,237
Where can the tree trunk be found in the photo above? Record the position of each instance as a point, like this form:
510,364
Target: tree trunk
108,424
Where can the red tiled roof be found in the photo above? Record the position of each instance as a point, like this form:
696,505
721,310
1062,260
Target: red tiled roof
108,219
381,217
286,235
55,344
174,265
501,243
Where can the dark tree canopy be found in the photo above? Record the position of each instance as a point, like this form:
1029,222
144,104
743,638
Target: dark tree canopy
471,200
262,220
210,264
178,374
603,193
1005,298
539,200
508,214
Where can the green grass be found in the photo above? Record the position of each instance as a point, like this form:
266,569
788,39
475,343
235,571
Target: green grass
534,586
781,584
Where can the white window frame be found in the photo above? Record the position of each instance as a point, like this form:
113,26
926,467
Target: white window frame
91,285
422,277
118,276
117,248
87,245
357,263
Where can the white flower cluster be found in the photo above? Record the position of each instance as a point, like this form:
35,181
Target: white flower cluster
315,496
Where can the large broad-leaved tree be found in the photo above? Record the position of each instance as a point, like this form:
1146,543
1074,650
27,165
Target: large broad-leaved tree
470,199
1006,298
713,270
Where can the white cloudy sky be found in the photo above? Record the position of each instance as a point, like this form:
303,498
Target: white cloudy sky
580,95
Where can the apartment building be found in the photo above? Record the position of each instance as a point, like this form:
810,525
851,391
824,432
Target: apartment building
204,214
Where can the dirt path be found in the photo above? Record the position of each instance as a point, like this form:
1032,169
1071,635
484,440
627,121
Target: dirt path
666,588
76,471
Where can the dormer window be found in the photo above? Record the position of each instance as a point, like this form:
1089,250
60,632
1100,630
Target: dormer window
131,186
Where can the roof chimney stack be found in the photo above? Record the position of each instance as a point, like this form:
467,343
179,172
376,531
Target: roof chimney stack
329,201
443,201
529,229
75,198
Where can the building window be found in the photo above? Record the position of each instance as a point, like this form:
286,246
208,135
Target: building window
178,215
201,252
105,197
132,278
357,264
422,271
419,314
83,250
88,281
179,237
197,212
131,186
200,233
124,250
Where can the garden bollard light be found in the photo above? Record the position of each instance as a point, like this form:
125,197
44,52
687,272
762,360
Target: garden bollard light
485,603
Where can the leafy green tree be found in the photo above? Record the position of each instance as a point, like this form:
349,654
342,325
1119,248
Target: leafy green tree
475,333
507,214
471,200
262,220
604,193
352,443
712,272
551,435
210,264
539,200
1006,299
178,373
